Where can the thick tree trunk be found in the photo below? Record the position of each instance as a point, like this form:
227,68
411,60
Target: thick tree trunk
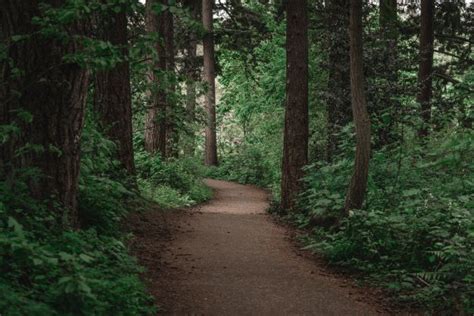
54,93
339,86
155,120
425,70
113,101
295,144
192,74
358,185
210,158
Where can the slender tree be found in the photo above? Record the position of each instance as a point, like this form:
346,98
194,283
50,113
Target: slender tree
36,79
339,86
295,144
358,184
171,132
155,120
425,70
113,101
210,158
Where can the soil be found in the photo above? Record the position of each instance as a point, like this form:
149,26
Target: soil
229,257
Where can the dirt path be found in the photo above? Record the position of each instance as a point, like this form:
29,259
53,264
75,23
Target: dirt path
228,257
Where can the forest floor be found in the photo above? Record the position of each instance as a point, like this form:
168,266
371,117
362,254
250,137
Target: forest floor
229,257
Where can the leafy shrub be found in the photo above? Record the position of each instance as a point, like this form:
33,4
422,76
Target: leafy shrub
103,185
171,184
416,233
45,270
70,273
248,166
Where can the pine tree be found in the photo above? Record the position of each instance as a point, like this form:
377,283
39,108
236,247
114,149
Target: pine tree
295,143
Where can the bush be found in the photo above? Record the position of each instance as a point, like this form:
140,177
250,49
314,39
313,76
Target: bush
70,273
171,184
415,235
46,270
247,166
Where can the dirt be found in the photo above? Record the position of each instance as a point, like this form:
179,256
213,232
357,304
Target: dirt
228,257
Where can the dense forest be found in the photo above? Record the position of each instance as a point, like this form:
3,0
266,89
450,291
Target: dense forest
355,115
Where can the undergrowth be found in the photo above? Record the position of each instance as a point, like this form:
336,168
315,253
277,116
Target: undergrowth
46,270
415,235
171,184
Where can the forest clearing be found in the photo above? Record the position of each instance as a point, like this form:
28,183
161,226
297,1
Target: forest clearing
236,157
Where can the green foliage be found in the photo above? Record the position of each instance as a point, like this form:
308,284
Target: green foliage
103,184
173,183
251,110
246,167
415,235
45,270
415,232
70,273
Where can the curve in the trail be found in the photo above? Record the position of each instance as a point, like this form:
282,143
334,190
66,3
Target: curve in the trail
230,258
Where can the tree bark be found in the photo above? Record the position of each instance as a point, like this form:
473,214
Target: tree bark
295,143
192,74
54,92
113,101
425,70
155,120
339,86
358,184
210,158
171,116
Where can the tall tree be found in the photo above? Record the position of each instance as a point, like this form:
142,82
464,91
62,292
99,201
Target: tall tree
36,79
295,143
192,73
338,90
171,133
155,120
112,100
425,70
210,158
358,184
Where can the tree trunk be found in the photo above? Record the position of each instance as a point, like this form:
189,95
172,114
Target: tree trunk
339,86
425,70
358,185
113,101
171,116
192,74
54,93
210,158
155,120
295,144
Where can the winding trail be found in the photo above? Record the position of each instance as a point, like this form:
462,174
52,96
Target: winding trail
228,257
